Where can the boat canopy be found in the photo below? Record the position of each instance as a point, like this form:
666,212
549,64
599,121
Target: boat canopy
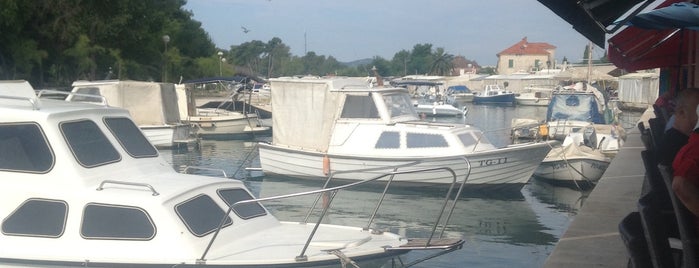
309,103
458,89
575,106
149,103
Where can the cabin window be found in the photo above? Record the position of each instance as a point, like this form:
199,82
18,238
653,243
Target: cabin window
388,140
104,221
89,145
85,93
398,104
130,137
23,147
421,140
467,139
359,107
37,217
201,215
244,211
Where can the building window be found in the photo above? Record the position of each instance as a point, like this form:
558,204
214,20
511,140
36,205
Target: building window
536,64
510,63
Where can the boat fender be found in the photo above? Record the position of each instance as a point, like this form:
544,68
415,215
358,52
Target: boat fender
326,165
544,130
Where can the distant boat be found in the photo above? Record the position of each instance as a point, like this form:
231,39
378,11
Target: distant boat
438,109
492,94
534,96
217,122
459,94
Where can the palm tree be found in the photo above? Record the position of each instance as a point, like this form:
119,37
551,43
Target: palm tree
442,64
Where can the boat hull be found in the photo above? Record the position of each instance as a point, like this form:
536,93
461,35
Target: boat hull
533,101
572,171
226,127
509,167
169,136
508,99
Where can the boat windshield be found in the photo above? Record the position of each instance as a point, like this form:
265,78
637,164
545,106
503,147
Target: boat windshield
398,105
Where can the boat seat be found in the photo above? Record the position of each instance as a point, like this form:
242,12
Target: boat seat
657,130
656,224
631,232
685,223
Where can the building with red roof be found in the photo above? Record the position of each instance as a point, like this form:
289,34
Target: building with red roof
526,57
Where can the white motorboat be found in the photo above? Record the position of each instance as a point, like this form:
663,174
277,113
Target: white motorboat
459,94
577,162
534,96
83,187
437,109
217,123
153,107
342,127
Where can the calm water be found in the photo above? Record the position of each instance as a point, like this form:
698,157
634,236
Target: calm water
501,230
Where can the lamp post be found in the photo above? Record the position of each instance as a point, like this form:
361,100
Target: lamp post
166,39
220,61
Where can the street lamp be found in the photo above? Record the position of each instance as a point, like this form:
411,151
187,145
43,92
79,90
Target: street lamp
166,39
220,60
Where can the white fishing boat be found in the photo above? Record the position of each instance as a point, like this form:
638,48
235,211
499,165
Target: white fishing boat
82,187
344,128
153,107
577,162
459,94
217,123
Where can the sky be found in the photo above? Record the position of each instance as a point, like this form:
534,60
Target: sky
358,29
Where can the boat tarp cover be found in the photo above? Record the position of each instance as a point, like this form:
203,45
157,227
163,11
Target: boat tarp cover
305,111
638,89
148,103
575,106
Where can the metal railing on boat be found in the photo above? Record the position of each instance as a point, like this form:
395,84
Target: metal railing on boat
446,245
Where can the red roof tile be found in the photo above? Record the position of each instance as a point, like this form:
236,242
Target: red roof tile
525,48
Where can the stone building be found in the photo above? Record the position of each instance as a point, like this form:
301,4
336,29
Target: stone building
526,57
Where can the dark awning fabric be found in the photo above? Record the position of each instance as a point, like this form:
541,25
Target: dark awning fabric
592,17
635,48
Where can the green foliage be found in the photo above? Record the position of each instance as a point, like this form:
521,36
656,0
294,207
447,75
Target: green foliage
55,42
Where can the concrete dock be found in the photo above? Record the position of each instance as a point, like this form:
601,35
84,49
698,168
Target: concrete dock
592,239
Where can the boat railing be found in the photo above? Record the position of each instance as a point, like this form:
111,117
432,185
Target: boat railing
188,168
33,101
138,184
332,191
69,96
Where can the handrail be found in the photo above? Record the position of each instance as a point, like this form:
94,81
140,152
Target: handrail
187,168
102,99
101,186
33,101
334,190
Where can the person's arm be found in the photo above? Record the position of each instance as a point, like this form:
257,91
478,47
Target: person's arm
687,192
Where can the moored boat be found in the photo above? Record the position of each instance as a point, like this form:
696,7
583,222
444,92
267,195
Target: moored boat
493,94
534,96
343,127
574,163
83,187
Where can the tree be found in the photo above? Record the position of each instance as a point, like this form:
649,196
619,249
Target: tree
442,64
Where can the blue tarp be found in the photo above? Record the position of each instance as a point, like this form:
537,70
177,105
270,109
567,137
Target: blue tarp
575,106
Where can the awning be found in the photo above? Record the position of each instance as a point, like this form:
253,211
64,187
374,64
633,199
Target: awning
635,48
592,17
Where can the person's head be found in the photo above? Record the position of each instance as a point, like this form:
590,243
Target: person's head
686,110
